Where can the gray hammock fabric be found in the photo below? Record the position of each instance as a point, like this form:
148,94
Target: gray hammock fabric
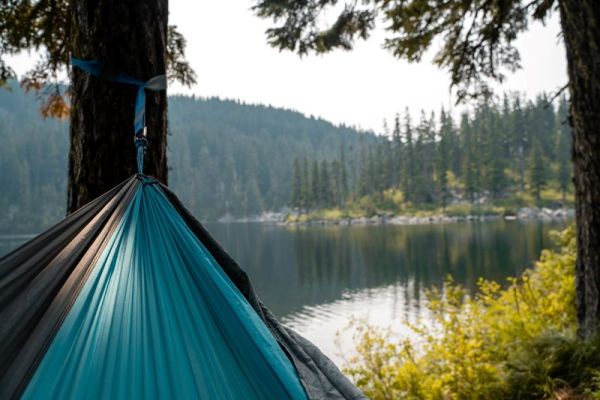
44,284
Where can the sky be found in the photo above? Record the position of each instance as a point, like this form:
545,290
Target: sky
227,47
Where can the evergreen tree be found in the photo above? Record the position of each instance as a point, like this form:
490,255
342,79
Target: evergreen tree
315,184
253,203
520,139
563,151
563,148
491,141
536,170
419,186
325,185
343,177
378,165
397,153
470,166
365,174
445,138
297,195
425,156
307,193
334,167
408,169
506,127
387,166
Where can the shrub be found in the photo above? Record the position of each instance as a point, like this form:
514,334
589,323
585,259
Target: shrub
476,347
555,365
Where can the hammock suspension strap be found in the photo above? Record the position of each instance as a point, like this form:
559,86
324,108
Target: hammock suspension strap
157,83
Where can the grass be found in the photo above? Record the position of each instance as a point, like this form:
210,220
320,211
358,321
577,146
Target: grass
392,202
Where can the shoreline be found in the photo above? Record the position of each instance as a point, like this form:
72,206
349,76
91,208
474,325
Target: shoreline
523,214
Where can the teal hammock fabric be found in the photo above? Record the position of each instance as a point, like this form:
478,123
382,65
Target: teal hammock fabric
158,318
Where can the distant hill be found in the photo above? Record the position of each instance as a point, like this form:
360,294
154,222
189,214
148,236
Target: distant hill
225,157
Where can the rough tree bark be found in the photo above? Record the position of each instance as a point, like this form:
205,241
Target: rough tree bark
130,35
580,20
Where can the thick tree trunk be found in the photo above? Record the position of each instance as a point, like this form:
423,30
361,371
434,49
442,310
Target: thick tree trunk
580,21
130,35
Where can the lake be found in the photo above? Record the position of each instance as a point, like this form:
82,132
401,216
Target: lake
316,279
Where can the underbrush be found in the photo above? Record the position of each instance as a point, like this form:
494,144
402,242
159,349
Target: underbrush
513,342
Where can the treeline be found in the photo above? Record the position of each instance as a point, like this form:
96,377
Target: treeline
33,165
225,157
231,158
497,150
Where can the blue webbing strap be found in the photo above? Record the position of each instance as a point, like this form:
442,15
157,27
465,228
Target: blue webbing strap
157,83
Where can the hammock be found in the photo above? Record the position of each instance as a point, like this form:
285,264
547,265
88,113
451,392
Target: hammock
131,298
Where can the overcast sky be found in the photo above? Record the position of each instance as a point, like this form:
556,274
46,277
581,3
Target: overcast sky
227,49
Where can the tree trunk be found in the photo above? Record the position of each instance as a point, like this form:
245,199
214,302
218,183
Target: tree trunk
131,36
580,21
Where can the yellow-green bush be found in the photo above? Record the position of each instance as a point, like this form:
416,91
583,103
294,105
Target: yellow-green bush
465,353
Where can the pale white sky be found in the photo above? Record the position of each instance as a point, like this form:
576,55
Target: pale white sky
227,48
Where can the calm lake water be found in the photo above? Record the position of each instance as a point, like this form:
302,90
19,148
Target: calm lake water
316,279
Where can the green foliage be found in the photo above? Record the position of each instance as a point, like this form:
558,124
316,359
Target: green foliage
563,149
465,209
238,159
442,167
44,26
225,157
536,171
555,365
515,341
476,36
297,198
480,161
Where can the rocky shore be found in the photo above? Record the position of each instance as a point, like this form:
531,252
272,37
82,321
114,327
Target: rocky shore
527,213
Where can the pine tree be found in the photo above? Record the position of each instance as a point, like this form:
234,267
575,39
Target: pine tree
297,197
442,158
505,126
544,125
325,185
470,171
343,183
365,172
334,167
253,203
563,151
378,169
563,148
520,139
315,184
370,177
492,147
425,156
308,199
387,166
418,178
408,169
536,171
397,153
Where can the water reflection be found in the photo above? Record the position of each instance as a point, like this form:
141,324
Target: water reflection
316,278
292,268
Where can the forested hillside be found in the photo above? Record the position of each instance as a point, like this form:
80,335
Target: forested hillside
225,157
33,165
230,158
